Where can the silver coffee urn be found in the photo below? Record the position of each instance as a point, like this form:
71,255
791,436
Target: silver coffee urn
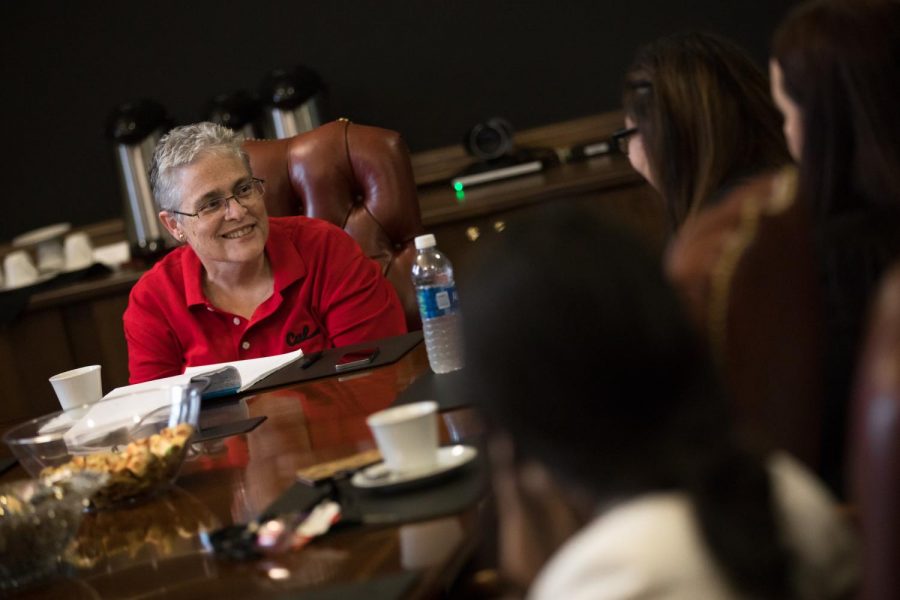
294,101
239,111
134,129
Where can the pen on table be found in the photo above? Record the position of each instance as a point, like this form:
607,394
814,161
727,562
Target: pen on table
311,360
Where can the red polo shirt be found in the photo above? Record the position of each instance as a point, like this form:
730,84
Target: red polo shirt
326,294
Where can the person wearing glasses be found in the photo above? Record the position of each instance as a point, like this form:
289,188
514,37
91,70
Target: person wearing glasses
244,285
698,121
703,129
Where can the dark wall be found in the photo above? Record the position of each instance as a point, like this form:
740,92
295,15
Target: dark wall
427,68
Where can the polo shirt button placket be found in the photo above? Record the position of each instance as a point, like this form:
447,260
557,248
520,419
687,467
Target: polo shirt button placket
245,345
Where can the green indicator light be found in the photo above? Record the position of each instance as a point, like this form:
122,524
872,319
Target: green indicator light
460,196
458,186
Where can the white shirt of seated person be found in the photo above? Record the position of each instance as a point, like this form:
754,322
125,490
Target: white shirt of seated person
651,547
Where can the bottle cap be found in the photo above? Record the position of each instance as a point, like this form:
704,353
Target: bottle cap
425,241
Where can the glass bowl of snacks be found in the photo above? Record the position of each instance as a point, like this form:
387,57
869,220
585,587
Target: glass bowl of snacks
38,519
138,442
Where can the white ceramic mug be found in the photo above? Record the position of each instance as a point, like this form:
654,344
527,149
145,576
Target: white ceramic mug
18,269
78,386
407,436
78,251
50,255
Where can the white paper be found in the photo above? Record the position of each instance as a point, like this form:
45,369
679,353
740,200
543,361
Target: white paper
126,411
251,369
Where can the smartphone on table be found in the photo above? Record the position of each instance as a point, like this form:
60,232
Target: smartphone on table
353,359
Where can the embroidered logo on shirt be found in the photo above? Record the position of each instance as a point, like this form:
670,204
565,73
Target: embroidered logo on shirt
293,339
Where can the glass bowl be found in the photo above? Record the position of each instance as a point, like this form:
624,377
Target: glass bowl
38,519
138,441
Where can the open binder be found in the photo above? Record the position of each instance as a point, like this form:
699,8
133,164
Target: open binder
218,379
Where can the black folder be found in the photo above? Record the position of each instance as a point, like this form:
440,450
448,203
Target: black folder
390,350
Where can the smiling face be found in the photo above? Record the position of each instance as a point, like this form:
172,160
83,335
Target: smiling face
230,237
790,110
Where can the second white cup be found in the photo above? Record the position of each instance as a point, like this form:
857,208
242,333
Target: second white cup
19,269
78,386
407,436
50,256
78,251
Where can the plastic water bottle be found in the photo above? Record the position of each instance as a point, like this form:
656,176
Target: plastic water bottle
432,275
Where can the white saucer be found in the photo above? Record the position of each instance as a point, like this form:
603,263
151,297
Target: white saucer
43,234
40,279
379,477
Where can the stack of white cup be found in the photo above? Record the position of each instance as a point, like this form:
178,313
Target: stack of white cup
78,252
18,269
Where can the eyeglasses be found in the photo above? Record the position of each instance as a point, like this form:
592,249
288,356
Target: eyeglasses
245,192
621,137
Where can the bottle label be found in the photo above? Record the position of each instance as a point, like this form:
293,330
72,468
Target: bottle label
437,301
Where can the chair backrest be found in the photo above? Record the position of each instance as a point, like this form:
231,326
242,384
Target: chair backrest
357,177
875,444
746,270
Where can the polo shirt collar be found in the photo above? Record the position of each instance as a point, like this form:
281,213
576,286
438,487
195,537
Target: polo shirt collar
287,264
192,269
284,257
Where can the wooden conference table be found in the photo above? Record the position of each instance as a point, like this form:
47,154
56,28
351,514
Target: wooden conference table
154,548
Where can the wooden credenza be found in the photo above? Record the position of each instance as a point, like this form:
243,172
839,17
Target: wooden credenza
81,324
63,328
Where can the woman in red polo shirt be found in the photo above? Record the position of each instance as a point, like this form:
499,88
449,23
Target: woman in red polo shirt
244,285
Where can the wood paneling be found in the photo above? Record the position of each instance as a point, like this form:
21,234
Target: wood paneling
32,349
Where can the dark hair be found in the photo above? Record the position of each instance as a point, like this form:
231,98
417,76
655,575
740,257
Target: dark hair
578,348
704,112
841,66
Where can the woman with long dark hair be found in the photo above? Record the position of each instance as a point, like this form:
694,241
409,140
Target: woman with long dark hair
699,120
835,73
705,132
603,398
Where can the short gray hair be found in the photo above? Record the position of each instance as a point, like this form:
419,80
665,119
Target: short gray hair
182,146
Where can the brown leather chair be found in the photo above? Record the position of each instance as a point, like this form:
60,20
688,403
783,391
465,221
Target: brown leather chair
875,445
746,271
357,177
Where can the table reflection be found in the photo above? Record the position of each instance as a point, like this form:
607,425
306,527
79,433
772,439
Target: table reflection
429,543
174,524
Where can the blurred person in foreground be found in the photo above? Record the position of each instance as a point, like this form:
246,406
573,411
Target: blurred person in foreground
244,285
605,414
835,74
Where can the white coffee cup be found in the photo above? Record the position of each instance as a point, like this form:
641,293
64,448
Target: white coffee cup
19,269
407,436
50,255
78,386
78,251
